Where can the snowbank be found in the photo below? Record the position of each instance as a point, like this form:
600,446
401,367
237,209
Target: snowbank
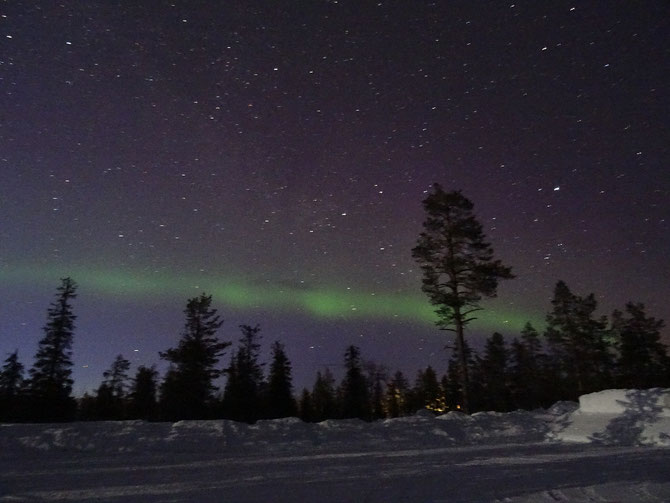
422,430
618,417
621,401
622,417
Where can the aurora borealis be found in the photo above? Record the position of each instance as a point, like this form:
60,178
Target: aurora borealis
321,303
275,155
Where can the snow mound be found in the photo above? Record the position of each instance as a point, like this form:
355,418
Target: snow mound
618,417
422,430
612,417
622,401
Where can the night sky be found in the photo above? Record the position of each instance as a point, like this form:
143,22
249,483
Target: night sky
275,155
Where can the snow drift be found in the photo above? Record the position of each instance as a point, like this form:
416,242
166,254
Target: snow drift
618,417
612,417
610,447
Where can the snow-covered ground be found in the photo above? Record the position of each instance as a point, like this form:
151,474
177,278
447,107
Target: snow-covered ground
613,447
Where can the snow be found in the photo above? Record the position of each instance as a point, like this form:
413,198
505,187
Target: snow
622,417
612,447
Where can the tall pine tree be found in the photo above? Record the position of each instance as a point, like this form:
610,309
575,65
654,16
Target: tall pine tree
376,379
242,393
323,399
306,412
577,339
458,266
530,382
188,388
279,401
111,395
397,395
354,398
454,392
11,389
143,394
427,392
493,369
51,376
642,358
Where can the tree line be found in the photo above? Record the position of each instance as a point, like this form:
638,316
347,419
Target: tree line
578,352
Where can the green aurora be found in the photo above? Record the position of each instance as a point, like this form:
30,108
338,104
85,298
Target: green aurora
318,303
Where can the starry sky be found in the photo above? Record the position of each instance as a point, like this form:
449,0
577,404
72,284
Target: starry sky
275,155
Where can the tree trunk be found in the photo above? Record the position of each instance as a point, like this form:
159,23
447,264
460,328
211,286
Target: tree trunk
460,346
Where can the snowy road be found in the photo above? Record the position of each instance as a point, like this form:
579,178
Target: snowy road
514,473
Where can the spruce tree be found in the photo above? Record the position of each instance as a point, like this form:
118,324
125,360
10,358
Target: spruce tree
306,412
355,401
11,389
428,392
396,401
642,358
376,379
279,401
323,399
188,388
117,377
579,348
105,406
51,382
494,376
530,378
111,395
143,392
242,393
458,266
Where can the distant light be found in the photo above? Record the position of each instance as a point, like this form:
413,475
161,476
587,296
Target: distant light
557,188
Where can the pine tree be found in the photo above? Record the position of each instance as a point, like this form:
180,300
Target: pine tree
323,400
579,349
279,401
117,377
306,412
11,376
376,379
87,408
529,373
51,382
105,406
188,388
458,266
428,392
444,389
454,394
354,389
11,389
396,401
143,391
242,394
642,360
111,394
494,378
